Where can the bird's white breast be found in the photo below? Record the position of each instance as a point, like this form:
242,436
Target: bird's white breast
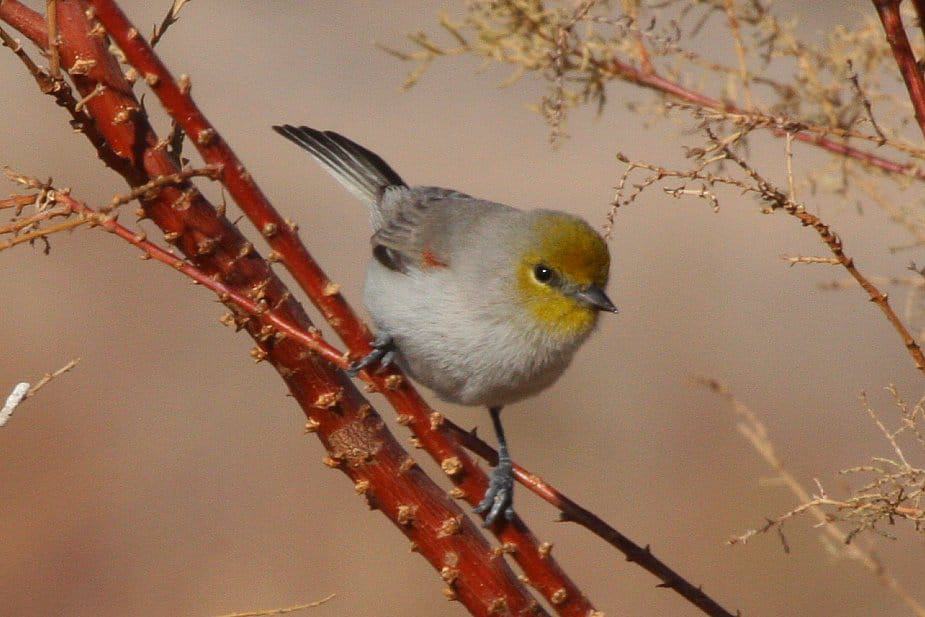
462,340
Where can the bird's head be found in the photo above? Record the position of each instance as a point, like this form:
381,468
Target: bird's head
561,274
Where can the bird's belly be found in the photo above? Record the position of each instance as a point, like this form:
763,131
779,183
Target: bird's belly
444,344
476,375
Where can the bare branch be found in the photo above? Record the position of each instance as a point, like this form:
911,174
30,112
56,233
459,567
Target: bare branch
281,611
865,101
800,259
744,74
754,430
719,150
172,16
51,11
24,390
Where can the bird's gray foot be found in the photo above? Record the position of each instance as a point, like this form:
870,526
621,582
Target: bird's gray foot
499,498
388,358
383,352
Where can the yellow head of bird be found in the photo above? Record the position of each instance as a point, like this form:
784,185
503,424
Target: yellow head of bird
562,274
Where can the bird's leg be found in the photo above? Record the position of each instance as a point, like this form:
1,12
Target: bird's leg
500,494
383,352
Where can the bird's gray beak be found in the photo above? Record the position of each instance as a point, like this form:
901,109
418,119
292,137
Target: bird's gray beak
596,297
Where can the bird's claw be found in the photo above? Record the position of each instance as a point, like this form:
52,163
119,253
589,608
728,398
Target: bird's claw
383,352
499,498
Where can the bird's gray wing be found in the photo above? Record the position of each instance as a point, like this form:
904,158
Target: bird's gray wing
416,228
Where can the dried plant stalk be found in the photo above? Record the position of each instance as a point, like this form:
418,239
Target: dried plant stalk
719,150
24,390
754,430
525,34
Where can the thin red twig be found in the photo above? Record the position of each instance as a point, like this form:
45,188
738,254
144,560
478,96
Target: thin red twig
311,339
832,240
654,81
892,21
541,571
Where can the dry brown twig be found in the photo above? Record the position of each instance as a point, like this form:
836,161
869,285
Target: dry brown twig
281,611
868,107
741,53
24,390
756,433
150,188
810,259
718,150
54,58
894,494
523,34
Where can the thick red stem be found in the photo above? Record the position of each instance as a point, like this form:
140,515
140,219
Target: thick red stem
542,571
892,21
27,21
357,440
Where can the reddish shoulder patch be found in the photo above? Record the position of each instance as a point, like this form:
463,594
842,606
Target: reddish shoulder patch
429,259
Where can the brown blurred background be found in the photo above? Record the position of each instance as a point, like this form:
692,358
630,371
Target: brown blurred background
168,475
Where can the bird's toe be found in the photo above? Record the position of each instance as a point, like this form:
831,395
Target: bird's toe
383,352
499,498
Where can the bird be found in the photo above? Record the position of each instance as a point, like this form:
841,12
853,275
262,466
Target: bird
483,303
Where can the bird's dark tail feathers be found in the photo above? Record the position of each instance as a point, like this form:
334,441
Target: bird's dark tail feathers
362,172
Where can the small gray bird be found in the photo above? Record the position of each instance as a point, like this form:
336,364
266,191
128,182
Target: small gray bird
482,303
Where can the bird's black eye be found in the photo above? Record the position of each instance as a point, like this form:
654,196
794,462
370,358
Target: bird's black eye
542,273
